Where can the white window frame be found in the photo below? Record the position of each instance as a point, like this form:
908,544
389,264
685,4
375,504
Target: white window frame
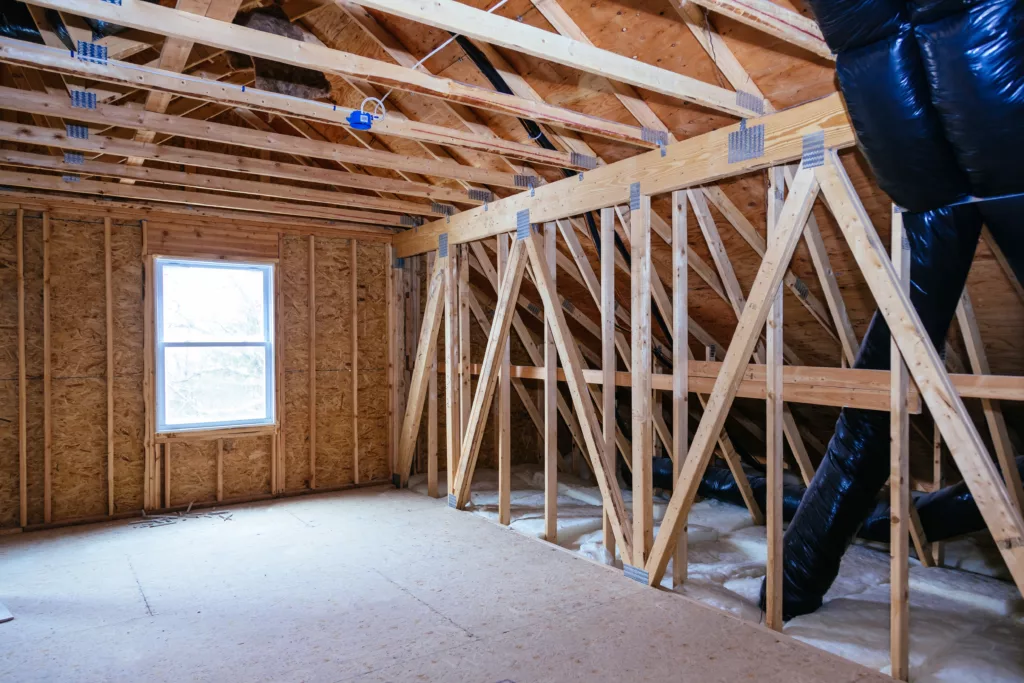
267,269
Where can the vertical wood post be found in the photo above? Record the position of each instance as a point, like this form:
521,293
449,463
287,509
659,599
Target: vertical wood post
453,386
167,474
643,425
312,362
47,380
899,475
354,292
220,470
109,281
22,377
938,481
279,370
389,297
773,421
432,408
465,371
504,422
680,367
608,364
147,371
550,402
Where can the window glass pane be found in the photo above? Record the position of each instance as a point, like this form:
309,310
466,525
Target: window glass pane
205,385
212,304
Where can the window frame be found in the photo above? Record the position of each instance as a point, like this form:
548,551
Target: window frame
268,271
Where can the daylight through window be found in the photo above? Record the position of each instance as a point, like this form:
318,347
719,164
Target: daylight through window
214,344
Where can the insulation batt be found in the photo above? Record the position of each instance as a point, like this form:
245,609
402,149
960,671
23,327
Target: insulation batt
275,76
935,91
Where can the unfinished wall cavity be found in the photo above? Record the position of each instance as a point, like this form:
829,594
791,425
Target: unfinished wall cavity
201,470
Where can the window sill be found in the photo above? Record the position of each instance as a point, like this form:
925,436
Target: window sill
212,434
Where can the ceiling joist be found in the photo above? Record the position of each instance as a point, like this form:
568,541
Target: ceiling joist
98,144
173,23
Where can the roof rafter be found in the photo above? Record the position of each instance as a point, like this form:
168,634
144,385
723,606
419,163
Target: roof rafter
521,37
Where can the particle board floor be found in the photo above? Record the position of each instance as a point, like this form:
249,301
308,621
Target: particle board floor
371,585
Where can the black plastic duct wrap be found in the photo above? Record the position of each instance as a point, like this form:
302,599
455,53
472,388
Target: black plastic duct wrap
16,22
947,513
935,91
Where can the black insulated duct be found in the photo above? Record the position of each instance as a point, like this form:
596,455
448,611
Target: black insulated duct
935,92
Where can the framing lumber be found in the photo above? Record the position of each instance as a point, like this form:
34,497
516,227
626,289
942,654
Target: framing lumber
22,375
769,278
133,210
47,380
449,258
550,402
109,343
465,338
519,36
604,471
608,333
148,377
173,23
426,356
348,218
642,396
247,187
353,285
105,114
166,446
775,20
483,264
220,470
694,161
504,415
899,476
484,321
680,368
481,400
1004,264
773,421
968,450
432,397
166,83
1005,453
312,360
97,144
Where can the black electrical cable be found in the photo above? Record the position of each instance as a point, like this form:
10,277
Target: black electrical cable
536,133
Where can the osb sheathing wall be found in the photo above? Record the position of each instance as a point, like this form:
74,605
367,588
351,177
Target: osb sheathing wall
78,366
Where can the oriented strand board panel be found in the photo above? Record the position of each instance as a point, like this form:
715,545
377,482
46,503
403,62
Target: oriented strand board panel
193,472
333,364
246,466
294,275
78,334
129,409
9,484
371,274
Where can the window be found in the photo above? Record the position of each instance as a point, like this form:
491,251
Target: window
214,344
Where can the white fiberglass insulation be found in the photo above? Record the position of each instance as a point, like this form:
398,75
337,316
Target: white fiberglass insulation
967,622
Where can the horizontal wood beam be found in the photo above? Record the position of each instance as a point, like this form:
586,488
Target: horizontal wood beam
54,183
156,175
836,387
521,37
159,80
106,114
169,22
99,144
694,161
30,200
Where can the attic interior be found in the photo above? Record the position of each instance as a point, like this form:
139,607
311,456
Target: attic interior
707,311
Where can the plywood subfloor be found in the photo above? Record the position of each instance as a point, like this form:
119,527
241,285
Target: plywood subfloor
369,585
